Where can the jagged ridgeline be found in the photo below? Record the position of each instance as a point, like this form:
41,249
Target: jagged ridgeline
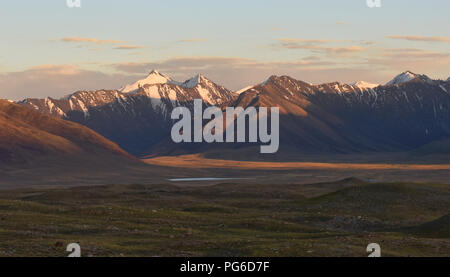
408,112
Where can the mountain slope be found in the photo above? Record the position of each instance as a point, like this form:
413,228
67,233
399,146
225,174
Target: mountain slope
303,124
339,118
28,137
306,126
403,116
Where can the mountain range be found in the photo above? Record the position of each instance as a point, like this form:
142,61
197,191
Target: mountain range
407,113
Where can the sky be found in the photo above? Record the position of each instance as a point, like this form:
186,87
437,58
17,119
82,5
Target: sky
50,49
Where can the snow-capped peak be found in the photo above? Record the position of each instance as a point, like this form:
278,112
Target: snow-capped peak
194,81
406,77
152,78
363,84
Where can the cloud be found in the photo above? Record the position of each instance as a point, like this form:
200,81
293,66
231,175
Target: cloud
305,41
366,42
130,47
179,64
347,49
84,42
417,60
50,69
317,45
56,81
421,38
91,40
412,53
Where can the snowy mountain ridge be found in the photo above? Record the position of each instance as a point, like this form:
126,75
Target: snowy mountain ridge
363,84
157,90
140,121
406,77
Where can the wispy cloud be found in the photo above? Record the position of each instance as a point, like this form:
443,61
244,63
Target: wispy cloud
56,80
408,53
306,41
421,38
417,60
85,42
129,47
367,42
180,64
317,45
50,69
91,40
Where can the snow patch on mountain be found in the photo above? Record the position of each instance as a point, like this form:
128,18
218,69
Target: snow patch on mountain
193,82
206,95
54,108
364,85
402,78
408,76
244,89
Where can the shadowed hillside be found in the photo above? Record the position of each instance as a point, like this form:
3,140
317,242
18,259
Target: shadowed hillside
40,149
28,136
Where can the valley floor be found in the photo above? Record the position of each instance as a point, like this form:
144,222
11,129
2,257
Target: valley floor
228,218
378,169
197,161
